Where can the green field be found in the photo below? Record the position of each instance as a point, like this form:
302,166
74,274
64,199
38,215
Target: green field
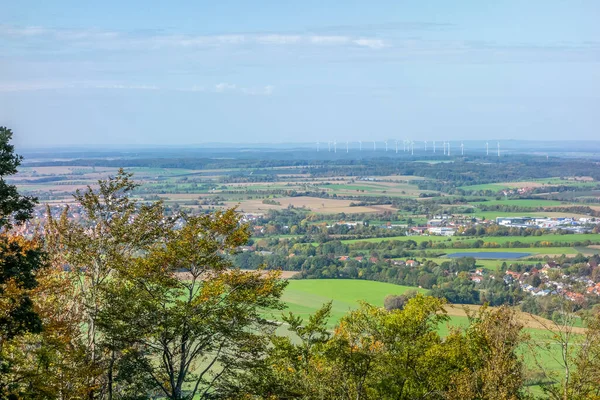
593,237
522,203
492,215
489,264
533,251
304,297
545,181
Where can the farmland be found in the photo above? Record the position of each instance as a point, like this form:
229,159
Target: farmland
304,297
573,182
594,237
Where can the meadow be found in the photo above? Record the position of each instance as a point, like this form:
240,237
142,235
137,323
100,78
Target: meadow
533,183
304,297
592,237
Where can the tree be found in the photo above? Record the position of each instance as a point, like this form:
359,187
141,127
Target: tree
397,302
493,370
187,319
579,357
585,383
19,260
13,206
99,249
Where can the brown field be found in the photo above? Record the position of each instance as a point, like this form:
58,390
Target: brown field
325,206
179,196
528,320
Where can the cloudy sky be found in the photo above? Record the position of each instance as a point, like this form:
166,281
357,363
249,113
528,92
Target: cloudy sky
191,72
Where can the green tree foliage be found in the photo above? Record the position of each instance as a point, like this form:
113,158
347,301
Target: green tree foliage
187,319
19,260
579,359
98,249
398,354
13,206
493,369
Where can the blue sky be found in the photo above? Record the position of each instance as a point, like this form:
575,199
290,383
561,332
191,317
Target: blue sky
191,72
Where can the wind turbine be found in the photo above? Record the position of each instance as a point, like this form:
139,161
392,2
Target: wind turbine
335,146
346,146
444,147
385,145
498,149
487,148
412,148
434,146
426,145
448,149
396,147
462,149
360,145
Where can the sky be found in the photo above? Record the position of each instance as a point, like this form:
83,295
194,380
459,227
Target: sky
191,72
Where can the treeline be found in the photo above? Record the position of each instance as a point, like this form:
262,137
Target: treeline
443,176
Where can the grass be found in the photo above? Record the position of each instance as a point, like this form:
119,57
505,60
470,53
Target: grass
488,264
532,250
593,237
304,297
492,215
523,203
534,182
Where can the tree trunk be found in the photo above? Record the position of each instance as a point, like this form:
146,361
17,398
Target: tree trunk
110,374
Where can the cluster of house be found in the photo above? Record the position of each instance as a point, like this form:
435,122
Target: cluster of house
577,225
565,286
408,263
522,190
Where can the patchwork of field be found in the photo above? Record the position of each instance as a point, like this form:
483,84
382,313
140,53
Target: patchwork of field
315,204
187,187
592,237
576,182
524,203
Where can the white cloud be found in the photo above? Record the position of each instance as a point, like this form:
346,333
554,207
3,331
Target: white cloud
279,39
224,87
329,40
371,43
7,30
95,38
